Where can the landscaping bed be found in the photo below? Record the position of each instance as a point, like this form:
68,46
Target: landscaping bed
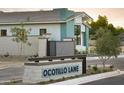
13,58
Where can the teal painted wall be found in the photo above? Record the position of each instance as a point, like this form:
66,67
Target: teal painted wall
70,28
63,31
64,13
67,29
86,37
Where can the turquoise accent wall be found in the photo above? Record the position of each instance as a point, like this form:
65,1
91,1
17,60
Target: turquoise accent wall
86,37
64,13
63,31
67,29
70,28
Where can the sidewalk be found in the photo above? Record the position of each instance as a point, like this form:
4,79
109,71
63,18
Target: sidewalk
95,58
4,65
87,79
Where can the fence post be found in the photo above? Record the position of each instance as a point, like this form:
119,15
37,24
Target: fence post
84,65
42,51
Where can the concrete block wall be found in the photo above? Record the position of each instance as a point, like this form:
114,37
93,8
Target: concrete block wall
8,46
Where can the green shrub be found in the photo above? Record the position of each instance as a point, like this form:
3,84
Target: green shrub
51,80
111,67
63,78
93,72
105,70
76,51
6,55
95,68
99,71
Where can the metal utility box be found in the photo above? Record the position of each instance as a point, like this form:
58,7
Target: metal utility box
60,48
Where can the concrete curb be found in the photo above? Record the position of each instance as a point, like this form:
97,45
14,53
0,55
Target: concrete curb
90,78
11,80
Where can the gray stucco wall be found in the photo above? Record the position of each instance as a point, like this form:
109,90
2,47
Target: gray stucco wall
65,48
7,45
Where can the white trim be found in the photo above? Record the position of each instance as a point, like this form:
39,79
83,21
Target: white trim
82,38
33,22
82,21
82,14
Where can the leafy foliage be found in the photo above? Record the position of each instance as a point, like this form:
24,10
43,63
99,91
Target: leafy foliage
107,45
107,38
20,35
102,22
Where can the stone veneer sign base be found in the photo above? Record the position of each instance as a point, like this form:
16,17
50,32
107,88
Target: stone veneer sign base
45,71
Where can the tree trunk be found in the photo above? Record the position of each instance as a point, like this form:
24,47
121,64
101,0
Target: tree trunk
21,49
103,65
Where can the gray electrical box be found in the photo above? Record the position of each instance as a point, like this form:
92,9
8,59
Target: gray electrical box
60,48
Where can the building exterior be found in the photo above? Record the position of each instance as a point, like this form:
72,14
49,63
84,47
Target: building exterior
59,23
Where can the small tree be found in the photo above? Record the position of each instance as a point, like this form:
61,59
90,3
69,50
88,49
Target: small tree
20,36
107,45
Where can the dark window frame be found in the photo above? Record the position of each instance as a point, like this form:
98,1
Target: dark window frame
3,32
77,27
42,31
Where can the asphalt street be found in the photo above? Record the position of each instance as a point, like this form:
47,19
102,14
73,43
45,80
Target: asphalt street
11,73
117,80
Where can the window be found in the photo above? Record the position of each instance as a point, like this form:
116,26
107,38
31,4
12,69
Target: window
77,31
3,32
43,31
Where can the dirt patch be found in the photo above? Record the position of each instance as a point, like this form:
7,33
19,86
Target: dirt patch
13,59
